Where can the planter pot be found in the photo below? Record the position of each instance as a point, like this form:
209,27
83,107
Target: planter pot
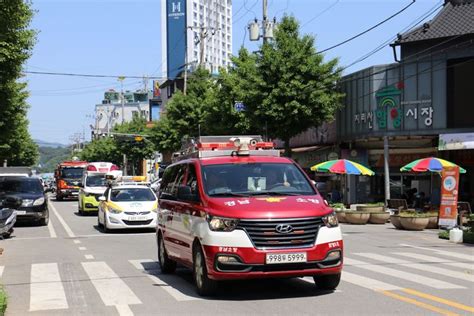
370,208
414,223
433,222
341,217
379,218
395,220
357,218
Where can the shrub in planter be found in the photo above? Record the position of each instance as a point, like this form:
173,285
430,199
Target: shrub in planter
379,217
410,221
357,218
375,208
395,220
468,237
433,223
444,234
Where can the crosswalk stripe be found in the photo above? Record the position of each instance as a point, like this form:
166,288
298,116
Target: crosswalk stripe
431,259
438,284
419,266
112,290
46,289
368,283
172,290
444,252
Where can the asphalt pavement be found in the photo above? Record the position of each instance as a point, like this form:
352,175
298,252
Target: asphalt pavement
70,267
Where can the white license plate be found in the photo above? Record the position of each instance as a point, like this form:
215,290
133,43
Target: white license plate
20,212
275,258
75,193
137,218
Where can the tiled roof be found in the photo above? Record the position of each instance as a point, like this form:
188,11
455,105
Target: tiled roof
456,18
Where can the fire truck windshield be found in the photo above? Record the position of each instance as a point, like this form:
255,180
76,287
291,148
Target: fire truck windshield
71,173
255,179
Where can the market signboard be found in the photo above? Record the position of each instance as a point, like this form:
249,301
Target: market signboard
448,210
456,141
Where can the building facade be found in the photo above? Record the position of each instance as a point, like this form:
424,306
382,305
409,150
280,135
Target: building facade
110,112
195,32
419,103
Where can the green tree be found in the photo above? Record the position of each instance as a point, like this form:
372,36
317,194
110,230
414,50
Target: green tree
136,149
16,43
185,114
102,149
286,86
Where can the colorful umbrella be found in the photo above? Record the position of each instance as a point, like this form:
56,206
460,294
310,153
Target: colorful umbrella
432,164
342,166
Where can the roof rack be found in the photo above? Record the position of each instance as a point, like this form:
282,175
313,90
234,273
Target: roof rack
220,146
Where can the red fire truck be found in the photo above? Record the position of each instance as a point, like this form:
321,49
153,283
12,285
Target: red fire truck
231,208
68,175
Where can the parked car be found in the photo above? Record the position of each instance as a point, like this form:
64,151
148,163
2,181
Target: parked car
34,205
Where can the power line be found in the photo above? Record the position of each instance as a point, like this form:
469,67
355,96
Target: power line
320,13
367,30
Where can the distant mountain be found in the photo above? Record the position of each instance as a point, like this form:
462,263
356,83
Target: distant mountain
42,143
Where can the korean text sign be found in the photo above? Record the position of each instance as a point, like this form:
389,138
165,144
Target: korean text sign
448,210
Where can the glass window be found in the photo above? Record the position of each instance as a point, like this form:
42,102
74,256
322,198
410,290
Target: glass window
191,180
96,181
21,185
132,194
72,173
255,179
172,178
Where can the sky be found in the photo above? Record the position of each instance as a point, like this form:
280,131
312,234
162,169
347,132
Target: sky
123,37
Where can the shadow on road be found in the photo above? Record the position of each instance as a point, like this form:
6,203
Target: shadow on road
241,290
125,230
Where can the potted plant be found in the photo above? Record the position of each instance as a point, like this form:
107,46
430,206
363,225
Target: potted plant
433,220
371,207
357,217
414,220
395,220
340,212
379,217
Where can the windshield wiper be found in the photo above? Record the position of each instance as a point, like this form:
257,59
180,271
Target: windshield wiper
224,194
274,193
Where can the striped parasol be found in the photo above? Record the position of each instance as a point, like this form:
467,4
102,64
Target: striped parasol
342,166
432,164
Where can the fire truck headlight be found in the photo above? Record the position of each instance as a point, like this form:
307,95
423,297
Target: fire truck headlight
222,224
330,220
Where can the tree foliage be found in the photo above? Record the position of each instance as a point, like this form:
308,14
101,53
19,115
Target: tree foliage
185,114
16,43
294,89
102,149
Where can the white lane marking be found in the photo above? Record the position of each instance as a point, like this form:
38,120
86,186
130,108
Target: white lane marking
1,270
27,238
52,232
437,284
76,241
124,310
419,266
82,248
46,288
89,257
444,253
145,233
112,290
175,293
368,283
62,221
431,259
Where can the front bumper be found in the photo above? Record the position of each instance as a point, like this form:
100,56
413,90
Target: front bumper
121,221
68,192
252,262
89,203
34,213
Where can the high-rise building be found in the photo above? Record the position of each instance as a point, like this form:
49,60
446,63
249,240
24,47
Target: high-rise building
202,28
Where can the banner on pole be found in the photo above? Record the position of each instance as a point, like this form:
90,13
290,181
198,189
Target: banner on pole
448,210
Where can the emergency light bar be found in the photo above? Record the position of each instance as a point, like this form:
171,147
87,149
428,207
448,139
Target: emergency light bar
215,146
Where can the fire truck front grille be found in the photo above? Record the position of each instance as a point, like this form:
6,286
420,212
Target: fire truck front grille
282,233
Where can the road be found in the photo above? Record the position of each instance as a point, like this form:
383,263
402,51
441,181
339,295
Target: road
71,268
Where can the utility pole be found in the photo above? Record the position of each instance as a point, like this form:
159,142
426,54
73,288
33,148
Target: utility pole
386,160
266,26
121,79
